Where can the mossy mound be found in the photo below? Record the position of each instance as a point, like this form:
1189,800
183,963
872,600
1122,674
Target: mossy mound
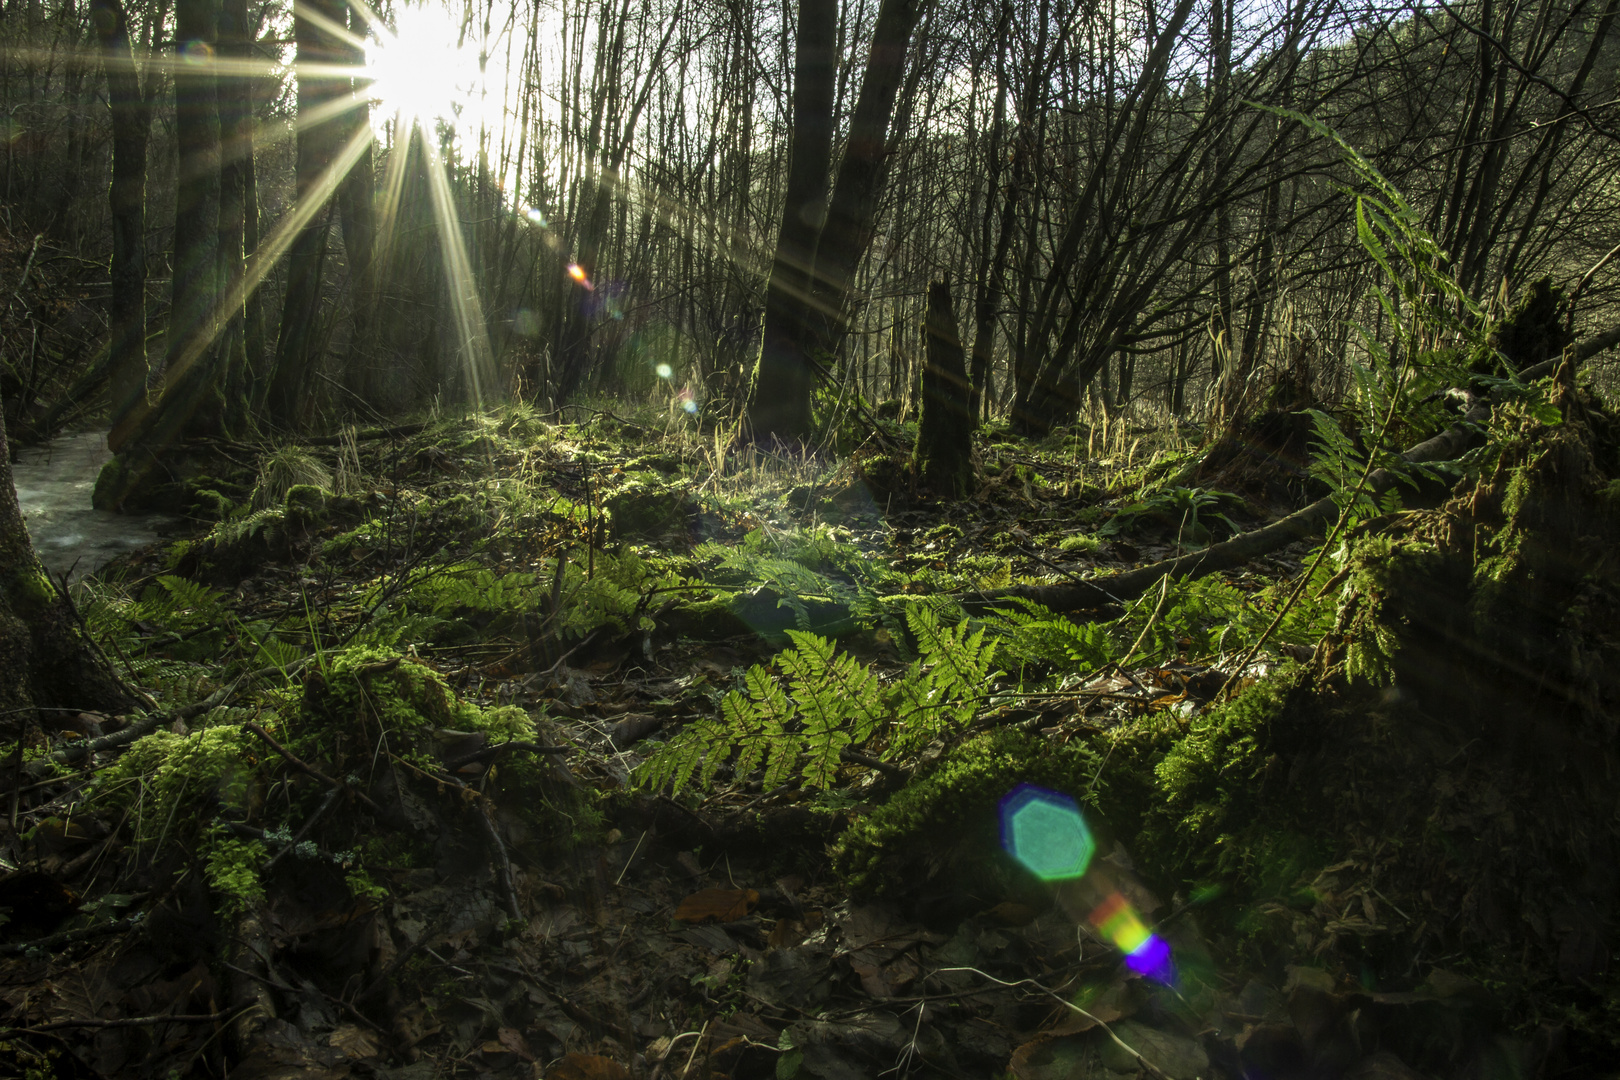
1438,782
647,507
1534,329
409,768
940,835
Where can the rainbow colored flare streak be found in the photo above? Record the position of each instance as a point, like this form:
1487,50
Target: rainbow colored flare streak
1144,950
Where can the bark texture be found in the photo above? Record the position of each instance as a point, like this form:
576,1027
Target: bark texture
44,664
944,453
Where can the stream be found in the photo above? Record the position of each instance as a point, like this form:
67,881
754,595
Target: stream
54,485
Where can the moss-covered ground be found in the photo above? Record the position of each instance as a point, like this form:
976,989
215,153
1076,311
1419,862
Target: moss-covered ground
597,745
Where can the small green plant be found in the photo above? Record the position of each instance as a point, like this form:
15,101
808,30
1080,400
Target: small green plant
1189,511
284,470
824,702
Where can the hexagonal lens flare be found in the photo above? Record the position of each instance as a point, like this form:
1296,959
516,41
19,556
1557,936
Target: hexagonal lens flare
1044,831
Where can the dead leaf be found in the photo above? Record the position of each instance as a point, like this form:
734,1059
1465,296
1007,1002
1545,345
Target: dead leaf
1011,913
786,934
355,1041
513,1040
720,905
587,1067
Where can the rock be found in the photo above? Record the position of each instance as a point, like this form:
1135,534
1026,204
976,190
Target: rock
1177,1057
1383,1066
647,508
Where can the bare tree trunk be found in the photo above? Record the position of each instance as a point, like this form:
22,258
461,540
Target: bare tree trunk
236,170
811,328
944,453
192,402
784,378
987,286
131,127
317,137
359,241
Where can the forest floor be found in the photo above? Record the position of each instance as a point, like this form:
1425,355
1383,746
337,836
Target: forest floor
504,747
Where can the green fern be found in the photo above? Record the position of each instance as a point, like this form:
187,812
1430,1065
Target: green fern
942,688
1038,635
824,702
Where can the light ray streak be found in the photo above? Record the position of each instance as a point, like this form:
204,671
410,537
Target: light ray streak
393,186
168,63
469,311
326,23
271,250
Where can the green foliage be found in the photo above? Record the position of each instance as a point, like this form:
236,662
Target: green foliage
163,776
191,617
285,469
942,688
825,701
1038,635
1188,511
1200,618
804,565
955,805
1209,776
1381,575
232,868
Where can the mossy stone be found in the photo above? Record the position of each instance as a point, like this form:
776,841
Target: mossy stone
647,508
307,506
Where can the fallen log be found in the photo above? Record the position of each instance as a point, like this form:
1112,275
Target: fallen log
1312,520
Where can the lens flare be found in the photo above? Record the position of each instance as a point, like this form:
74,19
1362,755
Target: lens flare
1145,952
665,371
1044,831
577,272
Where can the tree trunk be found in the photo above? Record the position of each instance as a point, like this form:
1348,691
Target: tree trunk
852,208
236,166
191,360
944,454
987,288
192,404
44,663
810,326
126,199
359,243
239,213
317,139
784,378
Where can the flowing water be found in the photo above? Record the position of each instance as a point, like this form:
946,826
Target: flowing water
54,485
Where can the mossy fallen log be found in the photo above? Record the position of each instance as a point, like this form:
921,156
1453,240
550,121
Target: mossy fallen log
1302,524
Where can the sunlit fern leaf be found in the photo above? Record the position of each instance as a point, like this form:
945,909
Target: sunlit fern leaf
837,698
760,720
959,661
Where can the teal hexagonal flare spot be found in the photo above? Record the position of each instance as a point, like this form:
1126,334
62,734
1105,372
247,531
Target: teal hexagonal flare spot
1044,831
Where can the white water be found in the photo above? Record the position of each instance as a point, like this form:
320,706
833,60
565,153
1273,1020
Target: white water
54,485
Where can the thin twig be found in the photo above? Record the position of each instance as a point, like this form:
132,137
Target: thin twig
310,770
130,1021
1152,1069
